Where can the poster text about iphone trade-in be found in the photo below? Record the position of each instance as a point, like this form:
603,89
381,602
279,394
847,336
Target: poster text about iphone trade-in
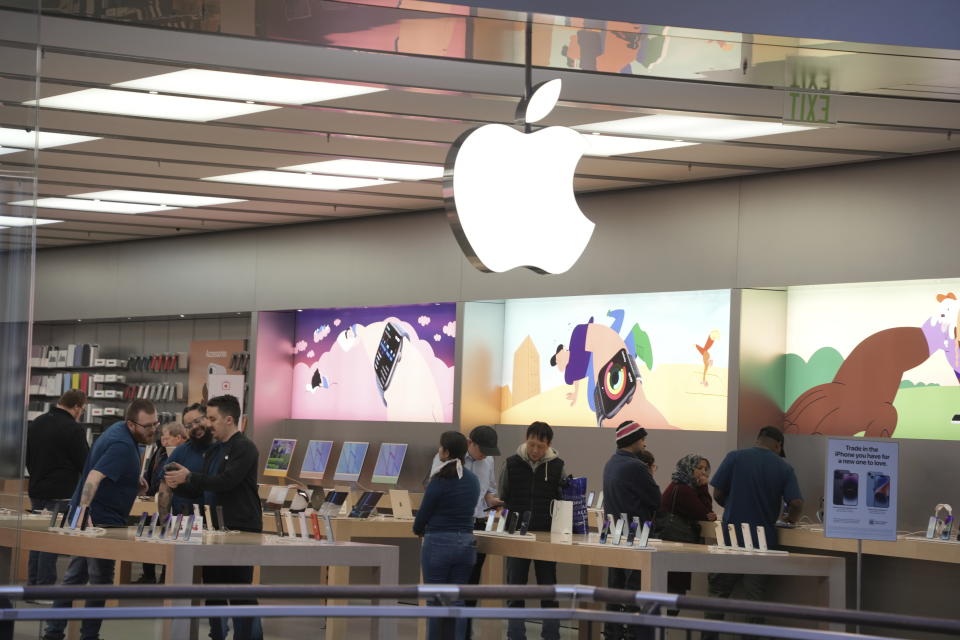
861,489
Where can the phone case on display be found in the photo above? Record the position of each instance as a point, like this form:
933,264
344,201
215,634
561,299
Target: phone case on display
153,525
141,524
525,522
304,532
490,518
315,524
189,530
176,527
512,525
221,523
618,526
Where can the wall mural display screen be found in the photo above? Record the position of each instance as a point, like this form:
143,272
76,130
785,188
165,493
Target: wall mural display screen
351,461
876,360
315,459
389,463
658,358
281,453
375,363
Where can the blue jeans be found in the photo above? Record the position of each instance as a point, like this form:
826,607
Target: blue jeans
42,567
81,571
447,558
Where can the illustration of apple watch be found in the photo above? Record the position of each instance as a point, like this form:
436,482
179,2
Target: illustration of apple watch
388,355
616,385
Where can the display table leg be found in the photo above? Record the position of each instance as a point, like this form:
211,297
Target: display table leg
337,627
388,574
596,577
492,574
183,574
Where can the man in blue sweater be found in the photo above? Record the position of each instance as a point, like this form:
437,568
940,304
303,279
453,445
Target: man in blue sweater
108,487
628,487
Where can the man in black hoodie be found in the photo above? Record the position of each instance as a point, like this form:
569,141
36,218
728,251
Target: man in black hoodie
628,487
56,450
530,480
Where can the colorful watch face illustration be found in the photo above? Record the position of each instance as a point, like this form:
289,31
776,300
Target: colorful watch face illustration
616,385
388,354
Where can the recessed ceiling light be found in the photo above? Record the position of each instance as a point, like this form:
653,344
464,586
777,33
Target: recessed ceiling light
372,169
598,145
147,105
23,139
100,206
296,180
247,87
692,127
151,197
10,221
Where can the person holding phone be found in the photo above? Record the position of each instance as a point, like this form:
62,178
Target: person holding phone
751,484
445,522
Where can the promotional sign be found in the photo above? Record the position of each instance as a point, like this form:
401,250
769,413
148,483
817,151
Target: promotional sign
658,358
860,496
375,363
226,384
207,358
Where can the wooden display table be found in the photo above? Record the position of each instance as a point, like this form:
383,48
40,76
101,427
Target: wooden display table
655,565
183,560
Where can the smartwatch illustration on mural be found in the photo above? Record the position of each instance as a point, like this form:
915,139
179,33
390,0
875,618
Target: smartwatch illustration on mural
389,352
616,385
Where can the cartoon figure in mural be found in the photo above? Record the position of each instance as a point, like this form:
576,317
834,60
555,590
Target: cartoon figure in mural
860,398
614,46
608,362
705,354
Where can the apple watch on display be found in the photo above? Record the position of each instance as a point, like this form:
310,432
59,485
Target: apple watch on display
389,352
644,534
937,524
616,384
747,536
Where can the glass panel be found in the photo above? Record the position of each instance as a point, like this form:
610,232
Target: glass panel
19,63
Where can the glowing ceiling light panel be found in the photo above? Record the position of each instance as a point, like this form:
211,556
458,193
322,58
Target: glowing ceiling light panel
372,169
246,86
24,139
598,145
296,180
10,221
151,197
148,105
97,206
694,127
510,197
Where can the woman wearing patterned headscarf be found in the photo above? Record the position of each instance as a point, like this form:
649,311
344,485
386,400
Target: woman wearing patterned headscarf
686,500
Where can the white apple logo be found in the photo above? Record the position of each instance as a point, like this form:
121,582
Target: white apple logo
509,195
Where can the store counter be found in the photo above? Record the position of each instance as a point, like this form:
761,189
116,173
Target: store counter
183,559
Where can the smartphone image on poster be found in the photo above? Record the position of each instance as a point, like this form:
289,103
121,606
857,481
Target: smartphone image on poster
388,355
616,385
878,490
846,487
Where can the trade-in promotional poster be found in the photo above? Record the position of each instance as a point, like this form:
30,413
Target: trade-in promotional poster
861,489
658,358
878,360
211,358
375,363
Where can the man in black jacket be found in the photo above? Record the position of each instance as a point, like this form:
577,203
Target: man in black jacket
628,487
235,485
56,450
530,480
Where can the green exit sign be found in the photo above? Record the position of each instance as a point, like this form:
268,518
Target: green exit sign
809,106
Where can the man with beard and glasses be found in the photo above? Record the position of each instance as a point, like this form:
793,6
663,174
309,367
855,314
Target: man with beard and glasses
191,454
108,487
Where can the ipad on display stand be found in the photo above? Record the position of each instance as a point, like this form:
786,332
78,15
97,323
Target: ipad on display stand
315,459
350,463
280,457
389,463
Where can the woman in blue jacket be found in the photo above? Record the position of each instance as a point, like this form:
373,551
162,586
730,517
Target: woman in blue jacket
445,521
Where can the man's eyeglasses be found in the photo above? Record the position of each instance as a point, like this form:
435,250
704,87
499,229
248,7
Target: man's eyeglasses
196,422
152,425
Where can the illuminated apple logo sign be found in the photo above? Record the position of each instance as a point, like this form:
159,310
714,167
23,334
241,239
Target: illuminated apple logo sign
509,195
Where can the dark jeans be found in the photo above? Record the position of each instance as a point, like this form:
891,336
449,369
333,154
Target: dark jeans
82,571
42,567
478,525
517,571
721,585
447,558
244,628
625,579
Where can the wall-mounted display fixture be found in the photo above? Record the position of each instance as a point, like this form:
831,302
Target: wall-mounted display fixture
657,358
375,363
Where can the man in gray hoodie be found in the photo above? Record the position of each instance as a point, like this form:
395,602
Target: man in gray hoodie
530,480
